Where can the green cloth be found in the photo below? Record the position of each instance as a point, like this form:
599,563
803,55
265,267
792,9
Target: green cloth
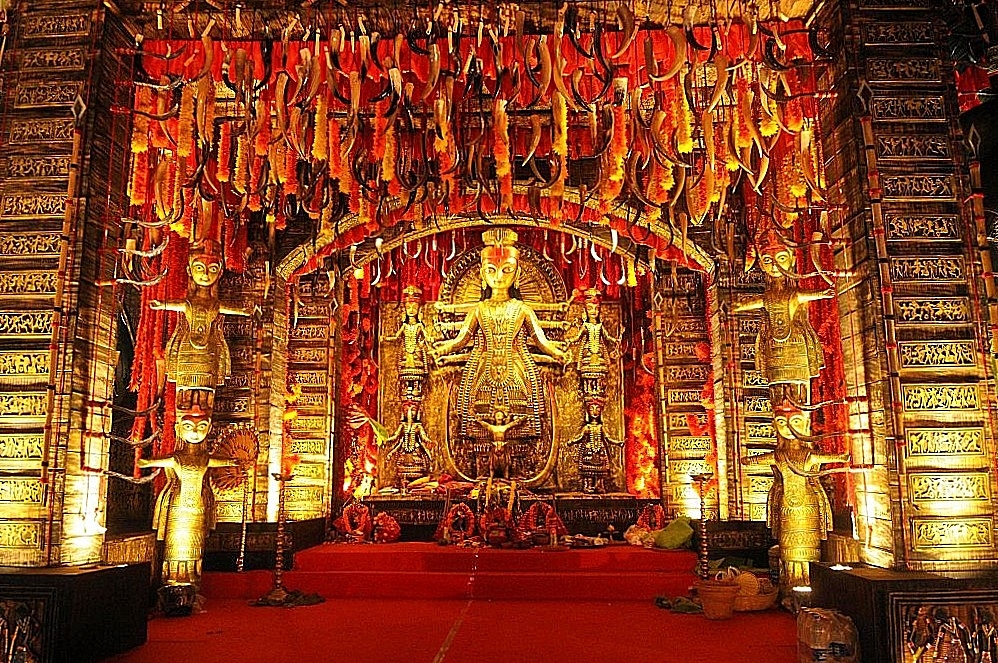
678,604
676,534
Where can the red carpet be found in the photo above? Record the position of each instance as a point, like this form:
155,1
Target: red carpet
402,631
428,571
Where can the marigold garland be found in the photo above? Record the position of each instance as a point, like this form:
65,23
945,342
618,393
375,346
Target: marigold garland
684,122
335,149
559,147
223,168
140,124
615,160
320,134
500,150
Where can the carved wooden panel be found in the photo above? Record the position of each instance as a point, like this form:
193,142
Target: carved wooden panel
952,533
47,26
903,71
931,269
901,108
56,58
932,310
919,187
937,354
921,227
912,147
940,397
46,94
899,33
29,131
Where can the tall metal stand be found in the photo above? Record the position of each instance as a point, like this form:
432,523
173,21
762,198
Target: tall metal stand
278,595
703,568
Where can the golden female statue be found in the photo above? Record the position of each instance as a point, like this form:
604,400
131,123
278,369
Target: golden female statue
798,510
407,455
594,352
197,356
597,451
185,510
412,366
788,352
501,375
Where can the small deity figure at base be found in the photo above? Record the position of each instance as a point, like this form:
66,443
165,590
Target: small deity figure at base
408,457
597,452
197,356
798,509
412,364
499,459
597,346
788,352
185,509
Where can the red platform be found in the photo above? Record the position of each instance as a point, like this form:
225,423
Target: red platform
428,571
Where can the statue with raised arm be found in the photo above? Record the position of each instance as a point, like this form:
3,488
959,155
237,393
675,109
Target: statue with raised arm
412,364
596,346
197,356
598,453
501,373
798,510
406,452
185,508
788,353
499,460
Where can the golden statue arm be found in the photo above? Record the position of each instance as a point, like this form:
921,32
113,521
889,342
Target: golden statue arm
551,348
748,304
443,348
804,296
178,305
214,461
168,461
233,310
761,460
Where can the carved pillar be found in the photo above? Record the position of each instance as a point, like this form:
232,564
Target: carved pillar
61,189
914,346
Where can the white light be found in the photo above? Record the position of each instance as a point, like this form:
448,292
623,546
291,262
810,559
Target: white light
803,589
840,567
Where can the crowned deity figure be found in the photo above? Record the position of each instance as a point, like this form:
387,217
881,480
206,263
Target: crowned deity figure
185,508
596,346
412,364
597,452
788,352
501,374
798,509
197,356
407,454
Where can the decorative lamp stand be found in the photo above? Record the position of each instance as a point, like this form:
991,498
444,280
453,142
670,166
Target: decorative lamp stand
278,596
703,568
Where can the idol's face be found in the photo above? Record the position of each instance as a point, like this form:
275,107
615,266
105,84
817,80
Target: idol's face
411,308
205,270
592,310
789,423
500,273
778,263
193,430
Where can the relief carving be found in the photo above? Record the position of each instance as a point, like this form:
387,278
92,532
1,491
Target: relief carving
928,397
952,532
940,486
38,244
310,332
35,130
679,468
38,166
308,355
691,326
749,325
688,373
308,424
42,94
922,226
21,491
760,484
943,441
310,378
908,70
313,310
747,352
894,4
20,535
28,283
33,205
930,108
758,405
34,26
686,445
681,420
679,350
924,354
684,397
232,405
898,33
26,323
306,447
23,405
919,187
312,401
927,268
913,146
21,447
50,59
753,379
759,430
952,310
24,364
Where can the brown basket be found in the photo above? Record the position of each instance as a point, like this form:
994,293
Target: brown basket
717,598
753,602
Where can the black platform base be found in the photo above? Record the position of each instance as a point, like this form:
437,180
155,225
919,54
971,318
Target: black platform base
73,614
222,547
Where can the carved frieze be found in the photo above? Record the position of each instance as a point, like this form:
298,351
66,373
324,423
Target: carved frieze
310,332
952,533
310,378
931,397
757,511
23,405
308,425
24,366
760,430
679,468
930,108
749,325
313,400
757,405
308,355
310,471
228,405
687,373
29,245
20,535
63,58
894,4
239,381
27,283
21,490
21,447
299,496
760,484
238,328
916,147
922,226
927,268
949,486
681,420
679,350
688,445
919,186
932,311
903,70
31,131
33,205
753,379
747,352
898,33
937,354
37,166
46,94
45,26
307,447
312,310
945,441
691,326
684,397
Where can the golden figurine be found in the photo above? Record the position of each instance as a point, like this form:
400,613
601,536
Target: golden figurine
798,510
197,354
498,458
597,346
185,510
501,374
597,452
412,364
407,456
788,353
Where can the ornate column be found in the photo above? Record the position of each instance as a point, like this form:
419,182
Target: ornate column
919,371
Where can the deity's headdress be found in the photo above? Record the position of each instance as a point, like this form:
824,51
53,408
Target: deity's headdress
767,241
412,293
593,295
206,248
500,244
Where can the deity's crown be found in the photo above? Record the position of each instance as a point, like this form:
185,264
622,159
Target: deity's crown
593,295
412,293
499,243
206,248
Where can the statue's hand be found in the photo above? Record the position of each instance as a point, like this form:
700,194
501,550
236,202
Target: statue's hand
157,305
142,462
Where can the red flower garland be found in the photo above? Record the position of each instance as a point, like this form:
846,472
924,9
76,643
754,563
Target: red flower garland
386,529
355,522
459,521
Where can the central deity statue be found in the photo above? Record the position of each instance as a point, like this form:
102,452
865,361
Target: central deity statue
501,379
